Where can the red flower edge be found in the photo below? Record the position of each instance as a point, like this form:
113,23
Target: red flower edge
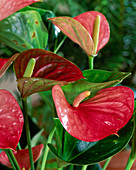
22,157
98,117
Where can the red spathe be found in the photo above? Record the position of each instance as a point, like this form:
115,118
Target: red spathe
98,117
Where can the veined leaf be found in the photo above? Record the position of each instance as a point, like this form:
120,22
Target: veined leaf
76,32
5,63
99,76
11,121
87,19
50,69
24,30
22,157
9,7
79,152
108,111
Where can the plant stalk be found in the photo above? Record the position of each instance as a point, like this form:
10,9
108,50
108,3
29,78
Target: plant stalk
106,163
60,44
91,62
84,167
47,149
12,157
132,155
24,102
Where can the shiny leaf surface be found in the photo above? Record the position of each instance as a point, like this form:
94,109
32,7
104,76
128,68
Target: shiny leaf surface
22,157
87,20
79,152
108,111
99,76
8,7
72,90
50,69
12,31
76,32
11,121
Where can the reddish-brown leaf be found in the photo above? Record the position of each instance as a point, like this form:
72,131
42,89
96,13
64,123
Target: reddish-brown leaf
8,7
87,20
22,157
5,63
50,69
11,121
76,32
98,117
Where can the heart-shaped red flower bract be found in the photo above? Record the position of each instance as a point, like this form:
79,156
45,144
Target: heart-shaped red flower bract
87,19
80,30
11,121
22,157
8,7
98,117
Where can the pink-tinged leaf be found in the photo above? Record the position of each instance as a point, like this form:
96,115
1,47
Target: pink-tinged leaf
11,121
5,63
28,86
98,117
8,7
22,157
87,20
76,32
50,69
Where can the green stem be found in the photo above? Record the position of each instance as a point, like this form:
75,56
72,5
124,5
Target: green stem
91,60
84,167
24,102
71,167
106,163
10,159
47,149
60,44
129,163
19,146
13,158
132,155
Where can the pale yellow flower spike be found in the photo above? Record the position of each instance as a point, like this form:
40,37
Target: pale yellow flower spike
81,97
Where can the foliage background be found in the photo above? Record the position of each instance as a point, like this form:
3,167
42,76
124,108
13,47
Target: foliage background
118,55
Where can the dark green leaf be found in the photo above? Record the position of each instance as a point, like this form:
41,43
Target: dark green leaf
80,152
24,30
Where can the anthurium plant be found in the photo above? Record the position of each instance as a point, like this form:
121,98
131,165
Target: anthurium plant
94,116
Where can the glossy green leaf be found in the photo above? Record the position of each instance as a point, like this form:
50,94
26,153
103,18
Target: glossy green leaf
24,30
79,152
76,32
71,91
95,81
99,76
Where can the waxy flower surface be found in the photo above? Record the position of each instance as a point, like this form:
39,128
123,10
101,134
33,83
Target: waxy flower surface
80,29
95,118
8,7
11,121
22,157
